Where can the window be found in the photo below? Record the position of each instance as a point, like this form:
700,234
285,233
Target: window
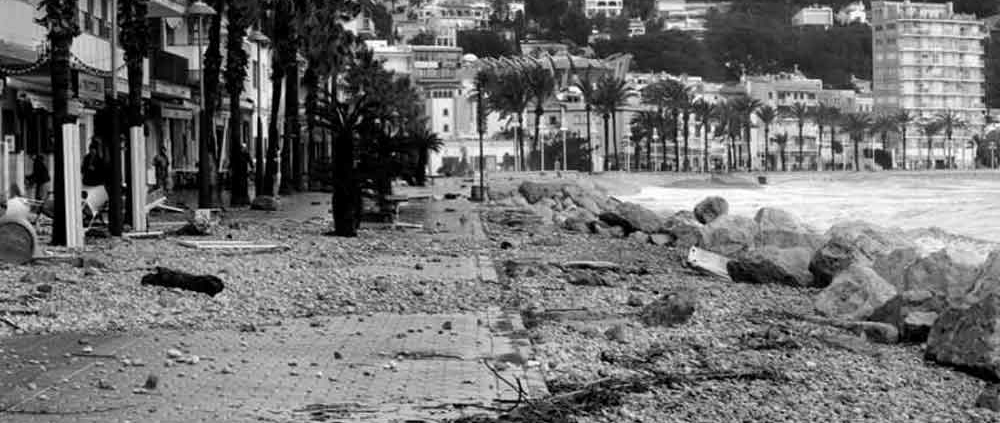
445,112
171,35
445,128
256,74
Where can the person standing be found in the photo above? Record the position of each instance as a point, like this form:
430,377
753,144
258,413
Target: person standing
161,163
95,169
39,176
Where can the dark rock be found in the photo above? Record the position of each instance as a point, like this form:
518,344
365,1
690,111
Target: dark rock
152,381
598,227
685,232
987,278
989,398
882,333
729,235
536,191
892,267
779,228
686,214
506,245
639,236
855,294
850,243
616,232
789,266
939,274
206,284
711,208
672,309
967,338
634,301
633,217
576,224
39,277
618,333
266,203
912,312
44,288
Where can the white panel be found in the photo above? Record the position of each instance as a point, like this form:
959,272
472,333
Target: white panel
73,184
138,178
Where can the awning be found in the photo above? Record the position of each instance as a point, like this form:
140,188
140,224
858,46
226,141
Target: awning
173,112
37,101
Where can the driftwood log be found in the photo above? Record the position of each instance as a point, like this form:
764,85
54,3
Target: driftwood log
18,240
206,284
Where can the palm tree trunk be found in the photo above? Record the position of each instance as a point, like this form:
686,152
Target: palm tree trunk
607,145
705,152
663,145
239,195
833,139
291,166
649,153
857,159
819,150
346,195
784,167
60,79
590,144
520,140
537,142
746,132
614,139
801,146
677,140
767,150
273,148
930,145
208,173
903,133
687,133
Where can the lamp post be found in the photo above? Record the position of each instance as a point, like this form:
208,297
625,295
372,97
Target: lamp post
199,9
259,39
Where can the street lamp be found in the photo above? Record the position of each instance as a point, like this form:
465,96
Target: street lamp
259,39
199,9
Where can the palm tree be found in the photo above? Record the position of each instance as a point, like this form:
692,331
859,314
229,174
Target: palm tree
134,39
800,113
510,97
680,109
541,85
857,124
644,125
658,94
278,29
744,107
882,125
704,112
822,115
834,120
586,87
949,121
422,141
61,17
903,120
729,126
612,95
930,129
836,147
208,146
767,114
240,15
685,104
781,140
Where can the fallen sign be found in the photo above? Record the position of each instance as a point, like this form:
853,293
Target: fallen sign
709,262
237,246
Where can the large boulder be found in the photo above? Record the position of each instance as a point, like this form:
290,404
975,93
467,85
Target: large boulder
711,208
779,228
585,199
987,278
854,294
672,309
633,217
786,266
729,235
852,243
939,274
892,267
912,312
578,220
535,191
685,232
969,338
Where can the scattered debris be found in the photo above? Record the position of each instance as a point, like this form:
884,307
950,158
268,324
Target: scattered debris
234,246
206,284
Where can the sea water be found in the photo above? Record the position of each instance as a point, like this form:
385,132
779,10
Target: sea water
966,206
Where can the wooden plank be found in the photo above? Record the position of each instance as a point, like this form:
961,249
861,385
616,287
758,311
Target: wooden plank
230,245
709,262
142,235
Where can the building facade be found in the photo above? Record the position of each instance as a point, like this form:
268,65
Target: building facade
929,60
814,16
608,8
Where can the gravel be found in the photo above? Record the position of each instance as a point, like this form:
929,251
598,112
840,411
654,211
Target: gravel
831,374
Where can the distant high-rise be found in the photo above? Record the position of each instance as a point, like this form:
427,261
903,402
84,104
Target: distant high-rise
929,60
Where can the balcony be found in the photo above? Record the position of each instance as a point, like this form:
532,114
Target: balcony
169,67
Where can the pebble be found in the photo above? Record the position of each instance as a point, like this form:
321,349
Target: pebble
174,353
88,349
32,386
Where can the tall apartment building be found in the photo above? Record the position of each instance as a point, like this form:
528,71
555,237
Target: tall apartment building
929,60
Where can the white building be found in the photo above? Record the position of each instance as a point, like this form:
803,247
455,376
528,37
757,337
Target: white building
853,13
814,16
608,8
929,60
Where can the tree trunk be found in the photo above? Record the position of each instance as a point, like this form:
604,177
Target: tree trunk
819,150
208,173
590,144
802,143
705,152
833,155
239,189
903,133
273,135
687,135
291,151
520,140
310,80
857,159
537,142
663,145
930,145
614,139
746,132
677,140
607,145
784,167
346,193
767,150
